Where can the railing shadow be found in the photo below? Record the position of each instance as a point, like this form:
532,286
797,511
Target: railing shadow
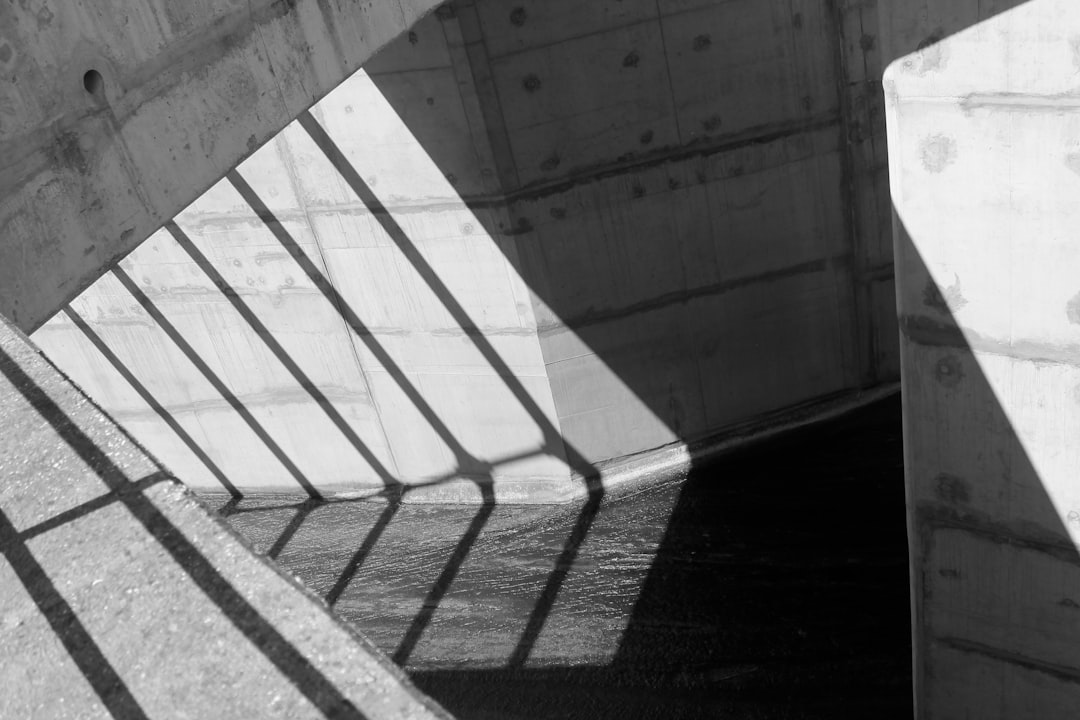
263,635
279,352
217,383
150,400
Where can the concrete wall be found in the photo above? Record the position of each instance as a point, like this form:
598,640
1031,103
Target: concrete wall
637,224
982,149
114,116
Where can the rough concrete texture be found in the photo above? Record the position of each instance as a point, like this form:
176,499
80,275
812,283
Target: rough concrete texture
657,220
122,596
982,139
770,584
113,118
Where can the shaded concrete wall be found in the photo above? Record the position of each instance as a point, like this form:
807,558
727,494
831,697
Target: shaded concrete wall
114,116
700,191
982,146
659,222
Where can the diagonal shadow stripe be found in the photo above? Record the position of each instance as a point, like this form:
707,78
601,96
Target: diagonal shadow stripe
353,566
150,400
280,353
546,602
322,693
465,459
84,509
214,380
92,663
442,584
552,437
298,518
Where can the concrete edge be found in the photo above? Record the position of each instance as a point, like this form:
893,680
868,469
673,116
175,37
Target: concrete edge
628,474
618,476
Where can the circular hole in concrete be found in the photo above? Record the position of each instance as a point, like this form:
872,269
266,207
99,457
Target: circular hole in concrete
93,82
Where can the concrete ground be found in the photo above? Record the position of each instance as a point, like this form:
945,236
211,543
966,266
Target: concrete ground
121,596
771,584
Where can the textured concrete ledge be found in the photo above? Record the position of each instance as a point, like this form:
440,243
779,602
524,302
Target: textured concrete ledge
121,595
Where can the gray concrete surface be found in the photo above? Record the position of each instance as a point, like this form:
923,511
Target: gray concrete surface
528,239
122,596
982,140
112,119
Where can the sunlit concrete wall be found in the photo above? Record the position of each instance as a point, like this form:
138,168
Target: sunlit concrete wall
661,221
983,146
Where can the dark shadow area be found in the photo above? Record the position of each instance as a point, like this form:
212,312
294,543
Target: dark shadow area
779,590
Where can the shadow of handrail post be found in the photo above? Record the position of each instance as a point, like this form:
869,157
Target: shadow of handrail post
357,560
446,577
65,624
546,602
291,529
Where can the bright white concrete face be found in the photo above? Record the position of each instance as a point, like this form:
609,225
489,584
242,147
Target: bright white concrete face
983,135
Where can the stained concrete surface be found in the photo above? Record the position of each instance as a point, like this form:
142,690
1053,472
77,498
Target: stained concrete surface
771,584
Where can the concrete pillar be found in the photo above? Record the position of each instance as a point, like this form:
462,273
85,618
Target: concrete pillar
984,141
